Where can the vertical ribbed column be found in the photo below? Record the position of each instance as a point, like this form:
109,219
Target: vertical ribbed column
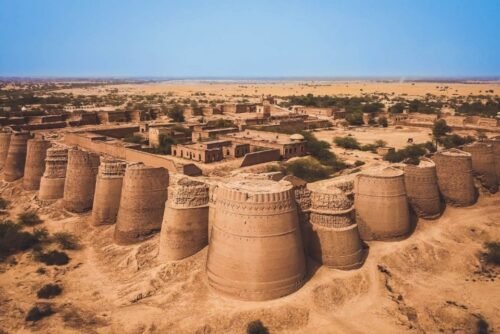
335,240
35,163
381,204
4,147
422,188
184,231
52,181
142,203
303,201
454,174
79,186
255,250
108,191
16,156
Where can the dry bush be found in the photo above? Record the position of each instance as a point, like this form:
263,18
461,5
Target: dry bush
49,291
66,240
29,218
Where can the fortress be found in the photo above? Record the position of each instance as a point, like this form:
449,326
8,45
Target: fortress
260,229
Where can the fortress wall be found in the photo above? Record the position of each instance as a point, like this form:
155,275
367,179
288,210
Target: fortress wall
142,203
335,240
4,147
118,132
79,186
483,164
454,174
381,204
184,231
52,181
495,142
259,157
303,201
108,191
255,250
422,189
35,163
16,156
212,197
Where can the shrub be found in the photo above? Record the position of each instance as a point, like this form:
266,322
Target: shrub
358,163
176,113
39,311
49,291
492,254
308,169
66,240
29,218
347,142
13,239
3,204
256,327
52,258
355,118
455,140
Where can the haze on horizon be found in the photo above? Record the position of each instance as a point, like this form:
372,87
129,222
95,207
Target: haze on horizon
250,39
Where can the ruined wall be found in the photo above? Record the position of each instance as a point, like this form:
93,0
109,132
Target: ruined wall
335,240
52,181
16,156
381,204
256,250
79,186
422,189
4,147
184,231
108,191
142,203
35,163
483,164
260,157
454,174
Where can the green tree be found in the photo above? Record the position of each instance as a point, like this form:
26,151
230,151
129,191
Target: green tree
355,118
176,113
382,121
439,130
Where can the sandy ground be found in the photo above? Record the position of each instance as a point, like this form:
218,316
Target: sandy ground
431,282
238,90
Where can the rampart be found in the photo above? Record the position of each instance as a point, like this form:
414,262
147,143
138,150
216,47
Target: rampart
108,191
142,203
483,164
35,163
52,181
16,156
79,186
259,157
335,240
454,174
422,189
4,147
256,250
184,230
381,204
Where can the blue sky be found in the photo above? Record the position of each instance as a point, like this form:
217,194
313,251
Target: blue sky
249,38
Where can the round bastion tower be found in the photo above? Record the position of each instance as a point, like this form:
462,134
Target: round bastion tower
35,163
4,146
52,181
184,231
381,204
108,191
142,203
16,156
79,186
335,240
483,164
422,189
454,174
495,142
255,250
